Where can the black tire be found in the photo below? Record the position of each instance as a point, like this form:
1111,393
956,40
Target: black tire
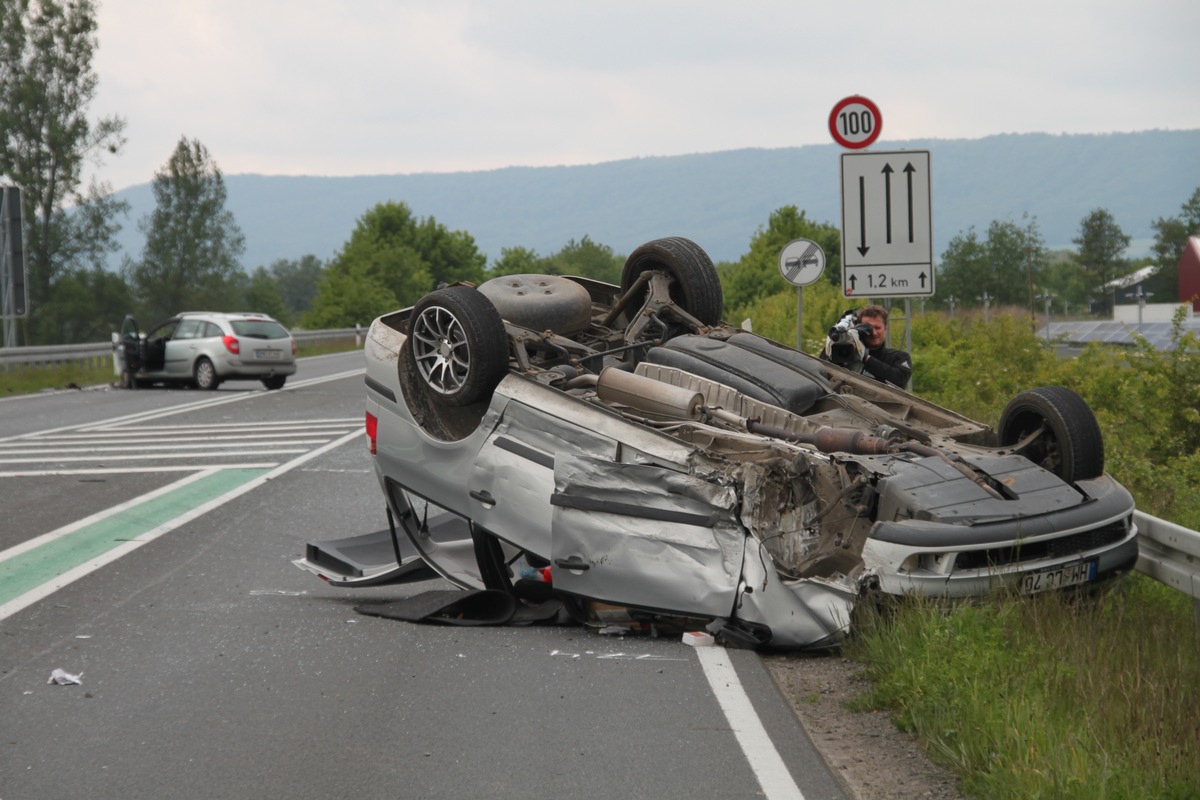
697,289
457,345
275,382
1071,445
205,375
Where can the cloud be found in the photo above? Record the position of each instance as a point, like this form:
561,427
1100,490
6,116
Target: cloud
387,86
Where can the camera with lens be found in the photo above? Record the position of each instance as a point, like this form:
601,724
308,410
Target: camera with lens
842,336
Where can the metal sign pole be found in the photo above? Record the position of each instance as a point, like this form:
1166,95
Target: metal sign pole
908,334
6,282
14,291
800,318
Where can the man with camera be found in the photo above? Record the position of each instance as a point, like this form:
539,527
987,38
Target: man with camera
859,342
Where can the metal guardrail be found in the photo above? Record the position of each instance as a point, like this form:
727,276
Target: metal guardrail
1170,554
97,353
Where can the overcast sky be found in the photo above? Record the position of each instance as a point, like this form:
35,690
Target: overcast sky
368,87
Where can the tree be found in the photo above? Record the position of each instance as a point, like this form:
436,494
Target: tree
297,282
88,304
193,245
756,275
261,293
964,273
586,259
583,258
1017,255
1004,265
395,259
1101,244
84,301
46,86
349,297
1170,240
1066,283
516,261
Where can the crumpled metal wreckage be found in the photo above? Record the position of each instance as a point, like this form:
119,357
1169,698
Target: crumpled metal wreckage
663,467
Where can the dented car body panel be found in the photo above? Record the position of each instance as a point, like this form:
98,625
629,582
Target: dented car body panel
660,460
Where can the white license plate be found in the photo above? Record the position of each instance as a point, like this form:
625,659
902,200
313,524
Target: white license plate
269,354
1071,575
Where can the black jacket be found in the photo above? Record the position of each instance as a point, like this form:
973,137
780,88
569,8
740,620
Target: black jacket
888,364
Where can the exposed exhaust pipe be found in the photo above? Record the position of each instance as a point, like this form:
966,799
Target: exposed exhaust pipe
648,395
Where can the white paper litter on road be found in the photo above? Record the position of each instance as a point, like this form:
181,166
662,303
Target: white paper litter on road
64,678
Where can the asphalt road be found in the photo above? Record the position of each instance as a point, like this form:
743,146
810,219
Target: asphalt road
145,543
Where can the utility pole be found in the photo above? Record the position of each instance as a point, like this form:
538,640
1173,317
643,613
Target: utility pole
1141,298
1047,299
1029,273
987,301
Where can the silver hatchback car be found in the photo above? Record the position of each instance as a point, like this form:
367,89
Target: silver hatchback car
205,348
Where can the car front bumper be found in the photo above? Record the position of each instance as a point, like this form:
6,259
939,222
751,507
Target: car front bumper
969,560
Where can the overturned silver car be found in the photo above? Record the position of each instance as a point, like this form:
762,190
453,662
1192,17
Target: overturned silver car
630,447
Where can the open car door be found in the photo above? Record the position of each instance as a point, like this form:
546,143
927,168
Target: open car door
131,345
154,346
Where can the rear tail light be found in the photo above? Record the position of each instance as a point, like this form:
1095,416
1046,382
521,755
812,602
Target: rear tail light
293,347
372,429
231,344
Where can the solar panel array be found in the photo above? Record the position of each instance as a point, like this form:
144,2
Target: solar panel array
1158,334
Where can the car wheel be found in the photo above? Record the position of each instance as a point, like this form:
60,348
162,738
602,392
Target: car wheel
275,382
458,345
697,289
205,375
1070,444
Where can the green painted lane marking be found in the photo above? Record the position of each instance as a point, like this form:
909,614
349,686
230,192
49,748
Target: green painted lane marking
29,570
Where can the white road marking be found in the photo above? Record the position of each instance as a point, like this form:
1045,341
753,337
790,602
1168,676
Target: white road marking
192,406
756,744
36,473
38,541
141,447
120,440
47,589
142,456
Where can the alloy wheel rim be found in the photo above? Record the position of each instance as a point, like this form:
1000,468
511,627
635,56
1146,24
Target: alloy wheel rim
440,350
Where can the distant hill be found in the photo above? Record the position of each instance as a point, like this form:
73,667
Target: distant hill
721,199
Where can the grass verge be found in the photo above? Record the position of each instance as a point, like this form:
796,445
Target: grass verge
1050,696
29,380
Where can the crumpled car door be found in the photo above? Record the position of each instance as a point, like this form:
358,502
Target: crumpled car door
512,477
644,535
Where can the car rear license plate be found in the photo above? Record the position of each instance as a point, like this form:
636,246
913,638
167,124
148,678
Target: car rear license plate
267,354
1070,575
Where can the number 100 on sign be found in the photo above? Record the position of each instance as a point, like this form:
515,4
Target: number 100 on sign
855,122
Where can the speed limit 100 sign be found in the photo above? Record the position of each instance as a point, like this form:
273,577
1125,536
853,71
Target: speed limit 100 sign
855,122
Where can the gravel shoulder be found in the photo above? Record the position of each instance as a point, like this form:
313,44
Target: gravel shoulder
873,759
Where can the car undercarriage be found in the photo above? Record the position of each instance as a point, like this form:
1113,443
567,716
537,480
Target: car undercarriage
647,457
